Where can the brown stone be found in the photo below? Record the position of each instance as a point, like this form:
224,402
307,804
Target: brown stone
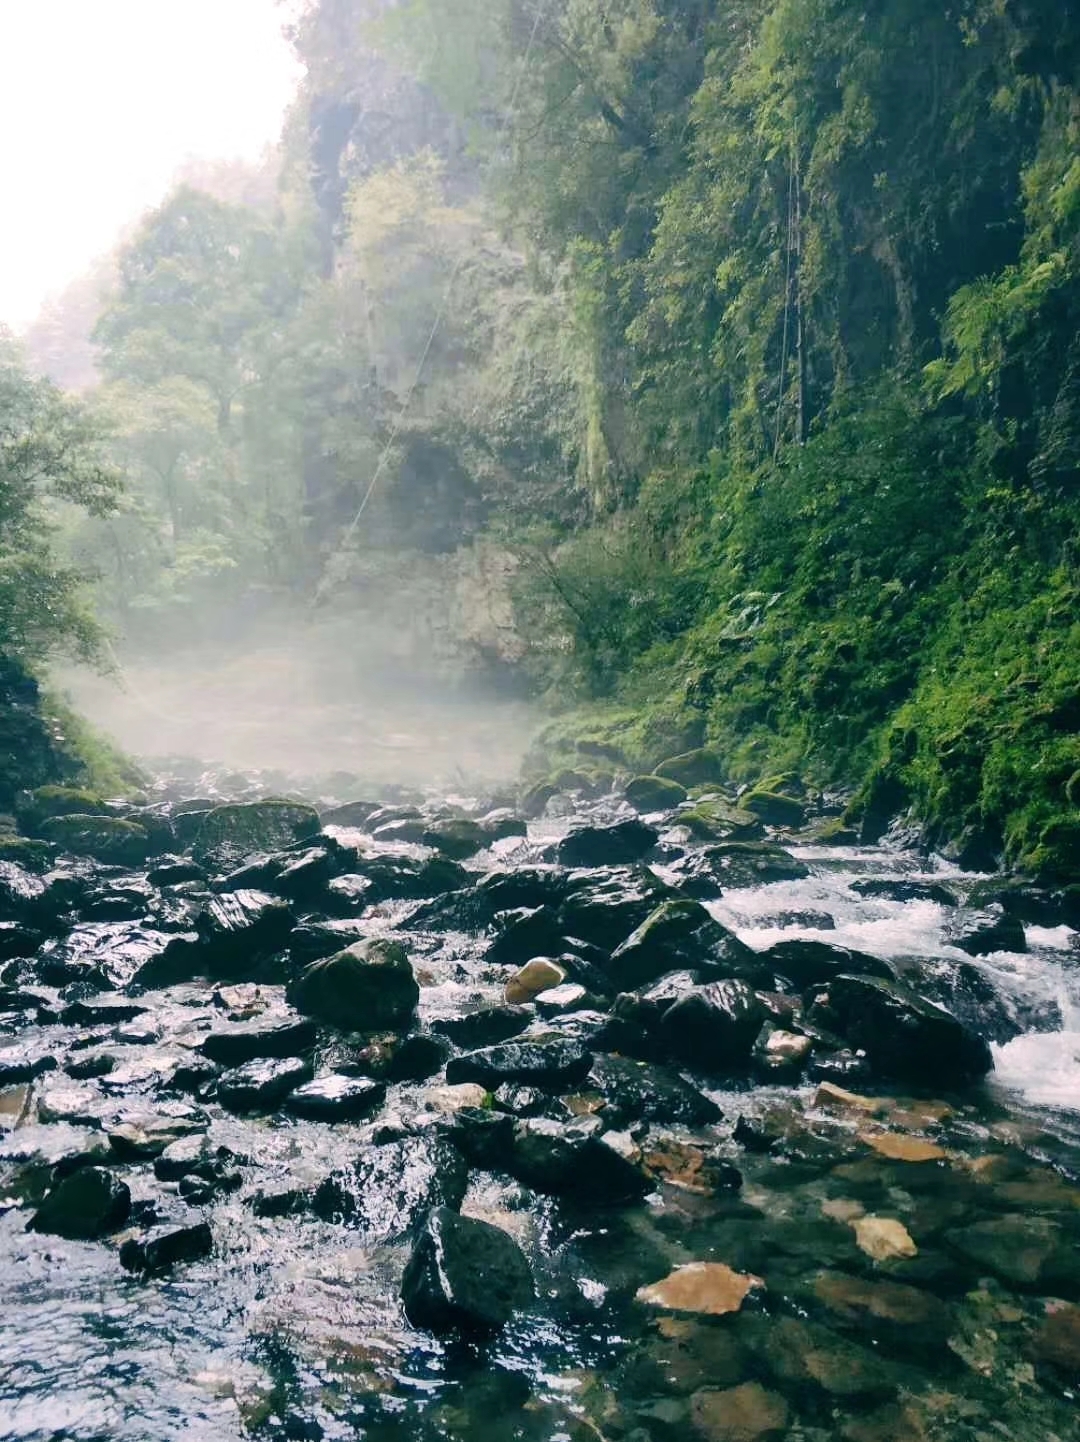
799,1352
831,1098
883,1238
1057,1341
888,1424
885,1306
533,978
14,1106
707,1287
899,1147
738,1414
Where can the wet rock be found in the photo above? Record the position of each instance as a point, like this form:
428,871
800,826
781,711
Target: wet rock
20,892
523,934
965,990
747,1413
336,1098
105,838
903,1036
805,962
452,1099
883,1238
314,940
457,838
995,930
639,1091
535,976
622,843
164,1247
269,1035
565,998
696,1169
840,1067
654,793
731,865
391,1187
717,818
103,1011
553,1064
16,1106
888,888
17,940
526,886
575,1162
408,878
260,1086
603,912
399,1058
713,1027
304,878
109,955
464,1274
174,872
193,1154
367,987
89,1203
483,1027
238,936
228,834
902,1147
677,935
780,1055
710,1288
148,1136
351,814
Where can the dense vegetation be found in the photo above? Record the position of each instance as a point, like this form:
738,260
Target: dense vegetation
749,405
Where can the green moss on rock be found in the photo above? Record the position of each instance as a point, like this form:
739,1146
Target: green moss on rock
105,838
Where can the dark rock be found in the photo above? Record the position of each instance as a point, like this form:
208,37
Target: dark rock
405,830
964,989
528,886
269,1035
256,873
89,1203
604,911
336,1098
457,838
390,1187
523,934
20,892
305,877
238,936
367,987
812,920
575,1162
638,1091
555,1064
399,1058
107,955
352,814
163,1248
314,940
485,1027
731,865
228,834
678,935
890,888
904,1037
807,963
260,1086
464,1274
996,930
616,845
104,1011
405,878
17,940
844,1068
714,1027
173,872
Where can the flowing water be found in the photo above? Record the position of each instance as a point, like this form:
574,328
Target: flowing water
293,1327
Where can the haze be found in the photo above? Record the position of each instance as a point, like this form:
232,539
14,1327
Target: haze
102,100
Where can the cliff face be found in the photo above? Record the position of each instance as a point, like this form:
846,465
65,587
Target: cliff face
32,751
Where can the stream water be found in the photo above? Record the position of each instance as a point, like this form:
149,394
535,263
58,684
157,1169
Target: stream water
292,1326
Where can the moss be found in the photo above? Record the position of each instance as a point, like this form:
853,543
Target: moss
105,838
654,793
94,762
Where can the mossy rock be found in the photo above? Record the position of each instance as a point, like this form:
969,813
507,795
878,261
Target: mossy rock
537,797
654,793
694,768
105,838
34,855
836,832
231,832
1057,854
774,808
717,821
34,807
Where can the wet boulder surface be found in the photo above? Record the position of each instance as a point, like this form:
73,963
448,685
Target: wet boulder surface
633,1114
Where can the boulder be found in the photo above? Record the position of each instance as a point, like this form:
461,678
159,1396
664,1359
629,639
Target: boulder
716,819
635,1091
731,865
619,844
774,808
269,1035
677,935
892,888
904,1037
108,955
604,911
105,838
457,838
164,1247
714,1027
464,1274
551,1063
805,962
367,987
260,1086
574,1161
654,793
228,834
484,1027
702,767
994,930
540,974
89,1203
336,1098
746,1413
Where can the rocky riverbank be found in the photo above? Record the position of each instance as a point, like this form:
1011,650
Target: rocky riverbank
570,1115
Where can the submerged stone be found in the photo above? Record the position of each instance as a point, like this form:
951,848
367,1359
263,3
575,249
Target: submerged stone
390,1187
464,1273
574,1161
711,1288
260,1086
336,1098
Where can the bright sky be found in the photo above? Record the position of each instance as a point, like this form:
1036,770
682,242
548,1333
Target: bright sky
101,101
